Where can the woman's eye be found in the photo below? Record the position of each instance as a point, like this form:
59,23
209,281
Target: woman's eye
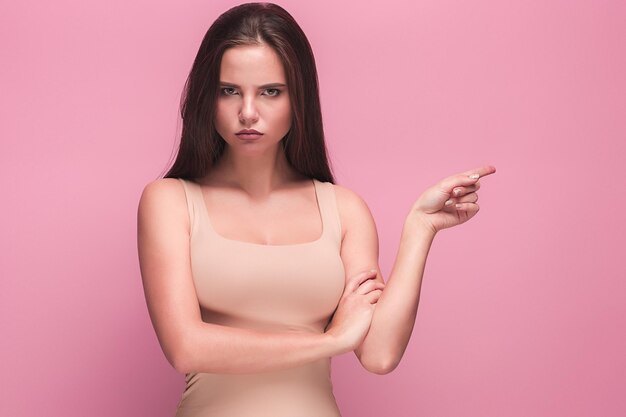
228,91
272,92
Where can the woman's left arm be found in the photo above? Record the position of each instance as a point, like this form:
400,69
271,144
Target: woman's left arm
394,316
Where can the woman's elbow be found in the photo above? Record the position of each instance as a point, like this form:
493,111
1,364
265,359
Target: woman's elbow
180,364
381,366
179,358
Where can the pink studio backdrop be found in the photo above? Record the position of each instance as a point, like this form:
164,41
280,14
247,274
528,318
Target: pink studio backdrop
522,310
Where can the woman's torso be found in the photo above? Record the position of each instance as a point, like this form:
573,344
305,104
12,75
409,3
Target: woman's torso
291,287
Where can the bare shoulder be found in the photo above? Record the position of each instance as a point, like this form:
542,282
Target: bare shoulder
353,210
348,199
164,198
163,188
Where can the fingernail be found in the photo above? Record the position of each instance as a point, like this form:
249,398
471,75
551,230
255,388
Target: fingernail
449,202
457,192
459,205
474,176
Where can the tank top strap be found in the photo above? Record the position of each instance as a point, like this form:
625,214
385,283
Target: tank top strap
193,194
328,208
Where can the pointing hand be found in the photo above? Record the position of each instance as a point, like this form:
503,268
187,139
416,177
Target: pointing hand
451,201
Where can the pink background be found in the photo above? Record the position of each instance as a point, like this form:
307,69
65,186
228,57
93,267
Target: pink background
522,310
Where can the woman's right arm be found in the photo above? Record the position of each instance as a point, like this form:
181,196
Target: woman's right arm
189,344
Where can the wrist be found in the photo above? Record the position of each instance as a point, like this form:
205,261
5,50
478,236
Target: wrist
334,344
331,343
417,226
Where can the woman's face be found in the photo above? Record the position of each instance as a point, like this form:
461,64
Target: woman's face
252,95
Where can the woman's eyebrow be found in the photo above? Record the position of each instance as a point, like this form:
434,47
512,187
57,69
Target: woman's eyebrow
271,85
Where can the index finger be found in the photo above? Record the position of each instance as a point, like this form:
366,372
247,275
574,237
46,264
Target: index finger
481,171
467,178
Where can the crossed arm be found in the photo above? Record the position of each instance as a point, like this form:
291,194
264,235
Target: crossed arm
394,316
190,344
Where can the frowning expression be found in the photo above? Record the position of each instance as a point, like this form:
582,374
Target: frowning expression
253,95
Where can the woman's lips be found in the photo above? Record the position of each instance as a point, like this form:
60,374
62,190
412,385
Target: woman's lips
249,134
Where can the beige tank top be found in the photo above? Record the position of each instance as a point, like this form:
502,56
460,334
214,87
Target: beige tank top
273,287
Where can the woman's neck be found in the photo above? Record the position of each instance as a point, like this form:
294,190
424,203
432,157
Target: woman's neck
258,175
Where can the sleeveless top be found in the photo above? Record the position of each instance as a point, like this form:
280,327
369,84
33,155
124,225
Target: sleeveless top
293,287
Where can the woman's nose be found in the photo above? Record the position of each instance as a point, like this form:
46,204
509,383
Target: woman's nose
248,111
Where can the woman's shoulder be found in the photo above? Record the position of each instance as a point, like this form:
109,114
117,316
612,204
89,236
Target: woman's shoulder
352,208
348,199
163,188
163,196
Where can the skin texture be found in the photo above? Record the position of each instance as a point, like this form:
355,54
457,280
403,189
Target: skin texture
262,199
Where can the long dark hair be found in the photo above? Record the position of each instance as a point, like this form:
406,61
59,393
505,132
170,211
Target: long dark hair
252,23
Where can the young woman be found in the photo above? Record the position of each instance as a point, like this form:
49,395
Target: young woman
258,268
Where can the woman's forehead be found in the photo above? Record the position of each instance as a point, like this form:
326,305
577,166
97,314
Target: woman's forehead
251,65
